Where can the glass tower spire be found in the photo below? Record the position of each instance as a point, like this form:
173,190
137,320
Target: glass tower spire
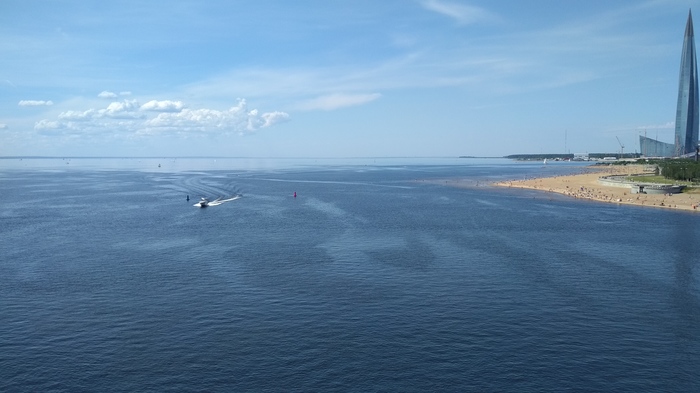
687,110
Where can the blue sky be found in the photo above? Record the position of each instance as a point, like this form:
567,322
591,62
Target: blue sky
343,78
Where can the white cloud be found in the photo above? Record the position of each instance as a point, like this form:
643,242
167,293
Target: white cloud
77,115
35,103
462,13
111,94
126,118
272,118
335,101
237,119
121,110
127,109
49,125
163,106
107,94
3,126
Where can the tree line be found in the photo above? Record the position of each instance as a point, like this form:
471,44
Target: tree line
685,170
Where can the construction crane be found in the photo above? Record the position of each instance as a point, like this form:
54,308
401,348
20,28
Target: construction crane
622,147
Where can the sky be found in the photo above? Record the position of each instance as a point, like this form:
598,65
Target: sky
341,78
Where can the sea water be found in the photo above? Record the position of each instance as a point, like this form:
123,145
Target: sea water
379,276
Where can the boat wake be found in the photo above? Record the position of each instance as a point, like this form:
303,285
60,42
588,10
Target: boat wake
216,202
222,201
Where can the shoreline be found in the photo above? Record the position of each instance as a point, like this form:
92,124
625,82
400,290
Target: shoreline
586,186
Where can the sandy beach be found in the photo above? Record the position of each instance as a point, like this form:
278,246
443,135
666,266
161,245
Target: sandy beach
586,186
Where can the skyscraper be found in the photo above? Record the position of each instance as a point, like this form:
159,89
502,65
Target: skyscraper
687,109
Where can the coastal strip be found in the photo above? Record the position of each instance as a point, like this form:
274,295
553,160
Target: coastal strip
587,186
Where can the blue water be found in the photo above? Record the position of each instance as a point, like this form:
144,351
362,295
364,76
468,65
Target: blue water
377,277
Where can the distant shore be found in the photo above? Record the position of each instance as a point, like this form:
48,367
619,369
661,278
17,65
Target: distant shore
586,186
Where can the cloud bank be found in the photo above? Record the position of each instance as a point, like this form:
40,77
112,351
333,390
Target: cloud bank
129,118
